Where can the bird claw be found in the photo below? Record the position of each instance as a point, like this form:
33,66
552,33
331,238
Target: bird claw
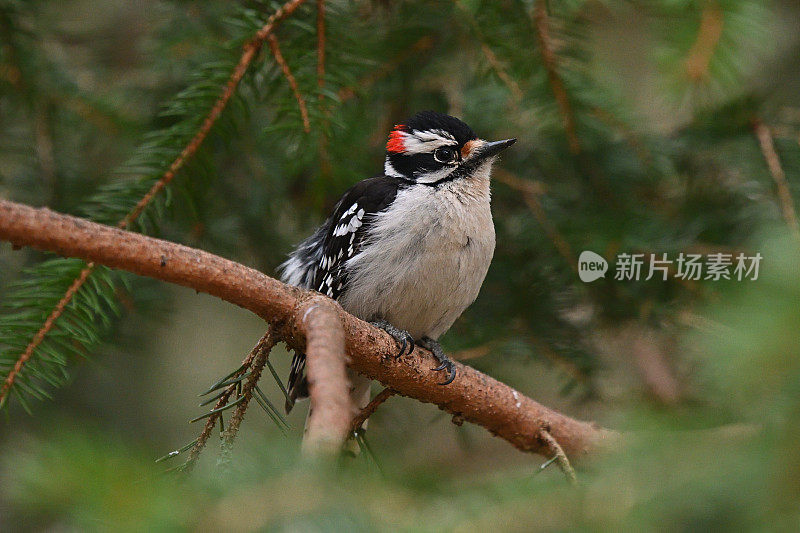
401,337
405,340
451,373
445,362
411,341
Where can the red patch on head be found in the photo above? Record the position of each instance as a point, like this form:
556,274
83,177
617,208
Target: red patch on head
395,143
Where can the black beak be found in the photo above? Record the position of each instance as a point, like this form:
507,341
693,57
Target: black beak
495,147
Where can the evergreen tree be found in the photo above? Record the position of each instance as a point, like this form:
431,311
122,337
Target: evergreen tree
648,127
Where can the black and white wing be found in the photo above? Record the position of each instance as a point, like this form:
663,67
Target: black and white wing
319,262
349,225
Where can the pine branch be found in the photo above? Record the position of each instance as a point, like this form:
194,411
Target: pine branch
370,409
248,389
259,351
725,40
708,36
542,26
321,48
324,155
280,60
473,396
530,194
250,51
558,456
491,57
46,327
785,199
420,45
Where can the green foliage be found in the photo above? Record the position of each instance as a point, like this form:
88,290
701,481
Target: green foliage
623,166
662,95
86,318
85,321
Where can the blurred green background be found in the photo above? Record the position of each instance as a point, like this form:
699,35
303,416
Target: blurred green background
637,124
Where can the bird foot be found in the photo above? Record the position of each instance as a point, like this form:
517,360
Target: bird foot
445,362
401,336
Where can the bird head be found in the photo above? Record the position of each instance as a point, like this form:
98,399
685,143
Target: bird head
433,148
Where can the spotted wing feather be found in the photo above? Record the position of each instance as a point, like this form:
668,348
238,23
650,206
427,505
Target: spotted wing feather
319,262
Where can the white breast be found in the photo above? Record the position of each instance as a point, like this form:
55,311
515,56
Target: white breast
426,257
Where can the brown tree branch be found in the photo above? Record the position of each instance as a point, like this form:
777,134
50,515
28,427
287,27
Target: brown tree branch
420,45
251,48
708,36
491,57
541,22
473,396
785,199
321,47
287,73
370,408
559,456
332,409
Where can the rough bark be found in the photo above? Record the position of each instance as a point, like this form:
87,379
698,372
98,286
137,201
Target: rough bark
332,408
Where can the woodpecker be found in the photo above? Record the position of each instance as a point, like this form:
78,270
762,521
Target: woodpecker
407,250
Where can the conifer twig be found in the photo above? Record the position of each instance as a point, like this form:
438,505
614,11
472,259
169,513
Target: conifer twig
708,36
324,156
473,396
370,408
423,43
321,48
492,58
259,360
530,194
287,73
46,327
208,428
778,175
542,26
251,48
263,345
558,455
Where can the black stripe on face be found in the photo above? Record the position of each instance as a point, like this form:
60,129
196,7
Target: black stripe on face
464,170
413,166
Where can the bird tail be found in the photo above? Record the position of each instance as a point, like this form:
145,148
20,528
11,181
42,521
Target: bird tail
296,385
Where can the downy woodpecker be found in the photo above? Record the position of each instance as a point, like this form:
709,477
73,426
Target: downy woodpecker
409,249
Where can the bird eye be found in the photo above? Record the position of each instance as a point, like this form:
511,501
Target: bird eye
445,154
